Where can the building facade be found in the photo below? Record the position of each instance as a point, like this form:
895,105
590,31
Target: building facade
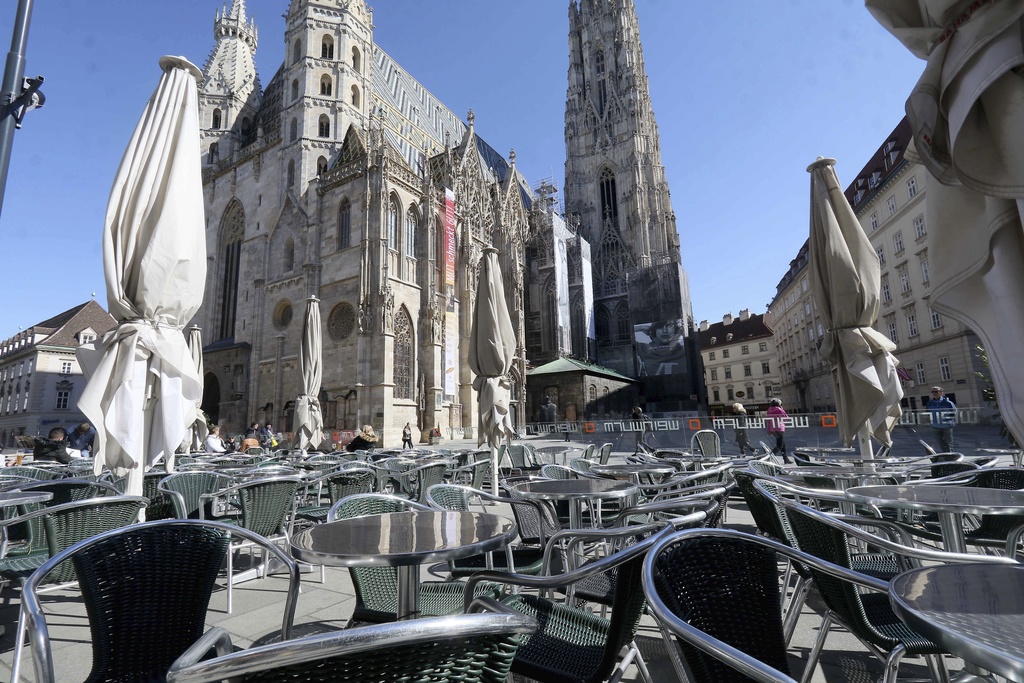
40,379
346,180
888,196
617,194
740,363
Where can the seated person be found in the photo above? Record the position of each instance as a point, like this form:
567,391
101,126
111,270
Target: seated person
365,440
53,448
214,442
82,438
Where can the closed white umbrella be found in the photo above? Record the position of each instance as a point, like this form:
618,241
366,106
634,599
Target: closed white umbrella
309,421
195,436
492,349
142,383
967,116
846,282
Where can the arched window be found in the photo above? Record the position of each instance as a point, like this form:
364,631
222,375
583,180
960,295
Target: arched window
327,48
601,322
625,329
291,173
592,393
289,255
321,166
411,221
356,60
293,130
326,87
392,223
609,207
295,89
355,95
232,231
403,355
296,51
323,127
345,224
216,118
602,89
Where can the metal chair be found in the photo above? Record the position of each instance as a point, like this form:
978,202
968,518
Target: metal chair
30,472
335,486
471,648
186,490
376,588
573,644
707,443
146,590
65,525
263,505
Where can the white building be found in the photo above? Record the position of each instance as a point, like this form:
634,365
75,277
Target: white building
740,362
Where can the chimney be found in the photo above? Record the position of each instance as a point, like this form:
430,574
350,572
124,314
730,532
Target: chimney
745,314
727,319
703,325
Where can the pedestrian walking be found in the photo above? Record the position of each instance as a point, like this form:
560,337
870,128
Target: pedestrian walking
407,436
943,413
741,429
775,424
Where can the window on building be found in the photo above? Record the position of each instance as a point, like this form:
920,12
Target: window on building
725,353
944,373
216,119
295,89
711,355
880,251
345,224
925,275
768,391
904,281
355,95
886,295
609,202
327,48
919,371
357,62
874,221
602,88
745,350
747,371
288,257
321,166
62,400
728,373
762,346
897,242
714,374
232,233
716,396
326,86
323,127
291,174
936,320
293,130
912,187
65,367
403,355
296,51
765,368
912,325
392,226
411,221
890,204
919,228
892,332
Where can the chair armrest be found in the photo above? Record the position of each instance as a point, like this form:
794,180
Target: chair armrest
216,639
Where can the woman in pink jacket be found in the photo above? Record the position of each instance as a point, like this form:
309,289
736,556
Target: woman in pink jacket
776,426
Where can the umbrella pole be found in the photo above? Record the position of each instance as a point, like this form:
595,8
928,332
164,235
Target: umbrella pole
864,439
494,470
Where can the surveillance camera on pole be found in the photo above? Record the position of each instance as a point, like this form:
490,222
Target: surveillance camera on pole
18,95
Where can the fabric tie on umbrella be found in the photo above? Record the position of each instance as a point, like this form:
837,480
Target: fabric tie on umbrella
195,437
846,282
308,417
142,384
492,349
967,116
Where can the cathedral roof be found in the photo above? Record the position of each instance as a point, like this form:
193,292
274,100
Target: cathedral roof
572,365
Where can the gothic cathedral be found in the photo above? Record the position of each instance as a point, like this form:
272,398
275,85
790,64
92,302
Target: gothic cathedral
344,179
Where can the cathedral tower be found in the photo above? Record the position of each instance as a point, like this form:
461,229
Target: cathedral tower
615,189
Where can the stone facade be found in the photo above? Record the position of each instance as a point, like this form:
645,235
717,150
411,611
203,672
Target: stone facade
40,378
617,193
334,182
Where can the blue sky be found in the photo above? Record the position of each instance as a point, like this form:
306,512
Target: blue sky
746,94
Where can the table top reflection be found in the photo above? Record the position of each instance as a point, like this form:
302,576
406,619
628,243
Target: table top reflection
960,499
976,611
563,489
402,538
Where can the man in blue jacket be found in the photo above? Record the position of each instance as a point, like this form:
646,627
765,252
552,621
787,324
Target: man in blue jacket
943,418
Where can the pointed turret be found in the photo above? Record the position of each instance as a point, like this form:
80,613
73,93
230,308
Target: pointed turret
230,93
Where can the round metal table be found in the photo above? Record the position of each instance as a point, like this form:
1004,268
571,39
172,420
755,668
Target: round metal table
575,491
634,471
1015,453
976,611
403,540
948,502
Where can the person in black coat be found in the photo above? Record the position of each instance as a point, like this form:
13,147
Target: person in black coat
365,440
53,448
